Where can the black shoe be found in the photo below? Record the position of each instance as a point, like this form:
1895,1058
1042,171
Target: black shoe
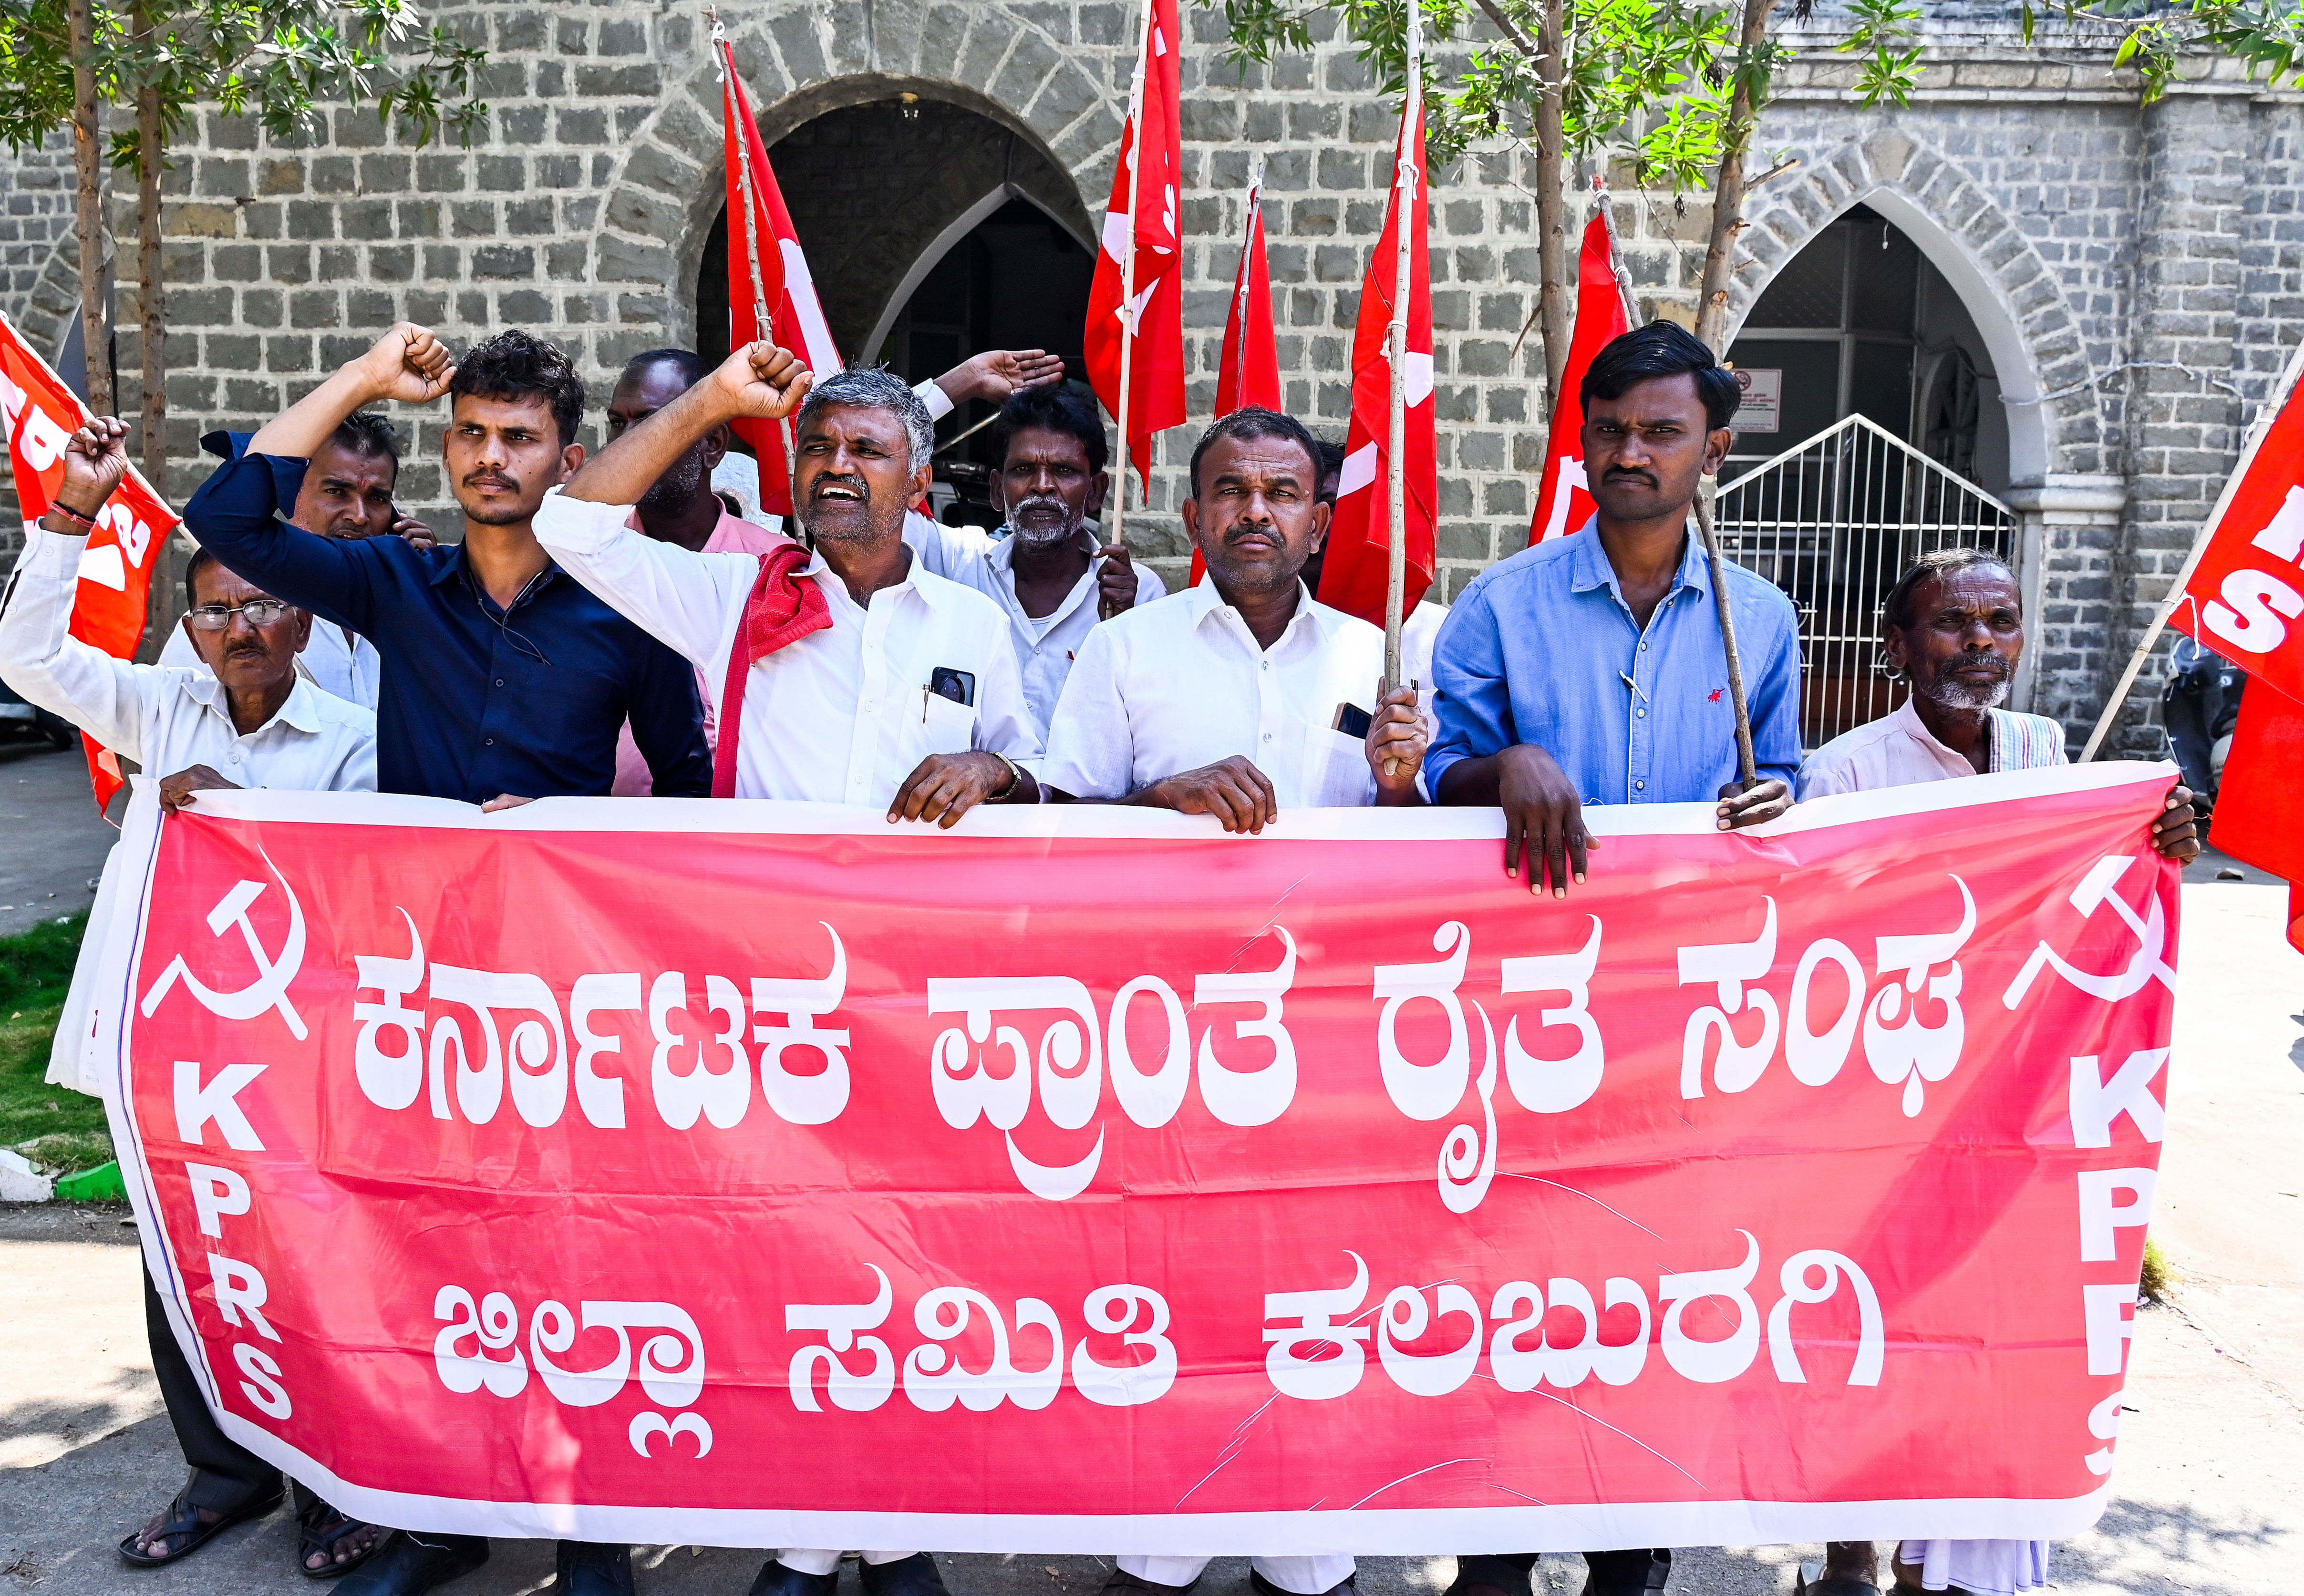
915,1576
1802,1586
1348,1586
1496,1575
1636,1573
776,1580
589,1568
409,1563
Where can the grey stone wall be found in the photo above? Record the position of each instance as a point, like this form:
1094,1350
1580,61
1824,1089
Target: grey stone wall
2093,242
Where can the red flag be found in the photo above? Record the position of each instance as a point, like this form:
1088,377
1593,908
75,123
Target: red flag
2260,802
115,567
1249,372
2245,591
786,284
1562,500
1155,324
1355,574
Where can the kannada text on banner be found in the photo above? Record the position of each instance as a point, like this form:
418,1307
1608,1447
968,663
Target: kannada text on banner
1083,1181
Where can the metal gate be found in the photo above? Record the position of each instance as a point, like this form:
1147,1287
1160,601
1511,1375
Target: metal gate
1833,522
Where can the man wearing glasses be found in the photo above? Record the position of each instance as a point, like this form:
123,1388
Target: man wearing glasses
241,717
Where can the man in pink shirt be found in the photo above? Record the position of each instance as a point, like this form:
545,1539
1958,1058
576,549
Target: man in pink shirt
681,508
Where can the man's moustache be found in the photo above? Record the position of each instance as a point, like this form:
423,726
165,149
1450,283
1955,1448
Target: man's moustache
1620,475
490,478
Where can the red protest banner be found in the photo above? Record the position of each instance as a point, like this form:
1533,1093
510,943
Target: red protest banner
1084,1180
1563,496
115,569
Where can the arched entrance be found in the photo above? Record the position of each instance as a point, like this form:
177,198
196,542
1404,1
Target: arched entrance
933,232
1871,432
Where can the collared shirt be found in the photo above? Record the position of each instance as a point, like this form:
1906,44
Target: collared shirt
166,718
1181,683
1045,646
476,699
841,715
732,536
1541,648
336,660
1898,749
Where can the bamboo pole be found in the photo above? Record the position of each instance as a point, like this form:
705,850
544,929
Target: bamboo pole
1395,471
1250,215
763,324
1747,770
1128,287
1615,255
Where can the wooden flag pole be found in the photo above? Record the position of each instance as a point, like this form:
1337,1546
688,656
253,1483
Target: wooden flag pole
1128,285
1747,770
1395,471
2263,423
1247,236
763,324
1615,255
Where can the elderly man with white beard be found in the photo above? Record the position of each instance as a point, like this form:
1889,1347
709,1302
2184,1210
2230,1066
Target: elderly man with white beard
1953,627
1049,575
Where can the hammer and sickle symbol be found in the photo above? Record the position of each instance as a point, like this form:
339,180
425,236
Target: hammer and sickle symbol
270,988
2094,892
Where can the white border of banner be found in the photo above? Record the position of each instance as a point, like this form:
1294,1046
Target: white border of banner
1359,1529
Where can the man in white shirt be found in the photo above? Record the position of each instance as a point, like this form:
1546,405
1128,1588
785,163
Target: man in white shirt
1953,627
1241,696
242,718
343,491
1049,575
883,684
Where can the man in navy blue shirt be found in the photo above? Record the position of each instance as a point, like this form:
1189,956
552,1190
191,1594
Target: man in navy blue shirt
503,680
1589,669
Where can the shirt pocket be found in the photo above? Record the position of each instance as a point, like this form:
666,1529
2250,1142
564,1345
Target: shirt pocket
946,727
1336,774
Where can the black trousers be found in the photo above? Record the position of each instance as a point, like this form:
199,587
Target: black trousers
225,1474
1613,1572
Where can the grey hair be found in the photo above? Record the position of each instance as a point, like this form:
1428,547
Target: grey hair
1896,608
873,388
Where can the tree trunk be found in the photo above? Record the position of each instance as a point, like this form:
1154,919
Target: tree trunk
152,135
1728,188
87,170
1551,200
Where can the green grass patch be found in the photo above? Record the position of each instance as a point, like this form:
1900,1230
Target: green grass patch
2159,1279
60,1130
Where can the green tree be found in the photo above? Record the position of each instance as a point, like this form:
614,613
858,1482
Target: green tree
1673,87
281,61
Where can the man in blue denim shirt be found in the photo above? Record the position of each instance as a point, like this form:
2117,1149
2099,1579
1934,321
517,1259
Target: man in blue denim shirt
1590,670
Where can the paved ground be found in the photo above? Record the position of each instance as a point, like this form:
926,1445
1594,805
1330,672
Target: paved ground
54,839
2210,1487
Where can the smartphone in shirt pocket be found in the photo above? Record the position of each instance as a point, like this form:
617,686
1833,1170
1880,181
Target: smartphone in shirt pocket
1336,774
947,712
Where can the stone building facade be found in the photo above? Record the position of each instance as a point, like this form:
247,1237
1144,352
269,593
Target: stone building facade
2136,274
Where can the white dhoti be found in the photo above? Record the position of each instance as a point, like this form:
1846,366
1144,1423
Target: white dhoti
802,1559
1983,1567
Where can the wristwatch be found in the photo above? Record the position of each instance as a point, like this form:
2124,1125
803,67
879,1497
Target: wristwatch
1015,776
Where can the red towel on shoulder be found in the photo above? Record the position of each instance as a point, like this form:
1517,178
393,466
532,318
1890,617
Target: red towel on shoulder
782,607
